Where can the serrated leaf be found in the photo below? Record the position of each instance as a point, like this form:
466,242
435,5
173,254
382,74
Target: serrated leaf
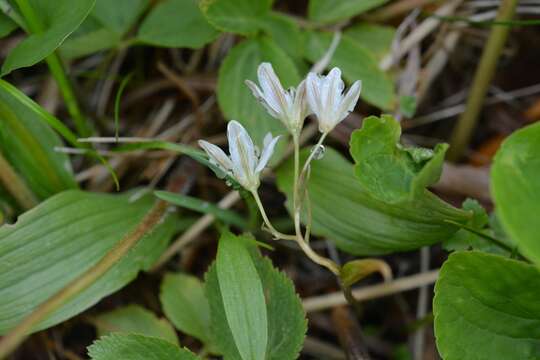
185,305
137,347
515,187
243,297
134,319
6,25
327,11
27,143
376,39
104,28
61,238
362,224
388,170
286,318
486,307
236,100
357,63
177,23
58,19
237,16
205,207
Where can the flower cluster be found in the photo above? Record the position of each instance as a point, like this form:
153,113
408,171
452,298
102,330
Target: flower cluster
322,96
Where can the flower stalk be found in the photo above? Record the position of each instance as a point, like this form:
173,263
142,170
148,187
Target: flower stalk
322,96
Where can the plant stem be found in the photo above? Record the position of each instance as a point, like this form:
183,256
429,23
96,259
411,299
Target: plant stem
484,73
9,342
267,222
34,25
15,185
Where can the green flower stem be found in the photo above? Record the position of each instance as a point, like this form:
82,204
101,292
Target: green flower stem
10,342
484,73
15,185
271,228
34,25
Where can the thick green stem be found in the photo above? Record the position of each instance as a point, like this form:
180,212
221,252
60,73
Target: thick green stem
34,25
484,73
15,185
10,342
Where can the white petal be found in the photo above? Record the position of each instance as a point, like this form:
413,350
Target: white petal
242,152
216,155
334,88
313,93
300,101
274,94
267,152
351,98
257,92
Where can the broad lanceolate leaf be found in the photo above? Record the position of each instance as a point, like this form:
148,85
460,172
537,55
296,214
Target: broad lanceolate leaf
486,308
57,241
243,297
6,25
286,318
135,319
234,97
177,23
326,11
388,170
362,224
376,39
183,301
28,143
285,32
515,185
104,28
237,16
137,347
357,63
57,19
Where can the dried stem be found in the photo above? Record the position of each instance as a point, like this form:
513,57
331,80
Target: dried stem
482,78
9,342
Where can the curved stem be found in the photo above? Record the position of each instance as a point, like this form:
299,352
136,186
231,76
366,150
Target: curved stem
267,222
312,155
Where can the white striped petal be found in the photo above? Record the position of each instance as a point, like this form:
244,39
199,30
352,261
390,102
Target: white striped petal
216,155
242,154
268,150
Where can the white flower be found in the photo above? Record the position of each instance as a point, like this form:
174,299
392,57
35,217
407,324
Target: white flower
245,163
326,99
289,106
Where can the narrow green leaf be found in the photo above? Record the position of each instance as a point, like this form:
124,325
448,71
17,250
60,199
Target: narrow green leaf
57,241
6,25
205,207
234,97
134,319
388,170
515,187
287,324
376,39
243,297
28,143
137,347
327,11
486,307
185,305
357,63
237,16
362,224
58,18
177,23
